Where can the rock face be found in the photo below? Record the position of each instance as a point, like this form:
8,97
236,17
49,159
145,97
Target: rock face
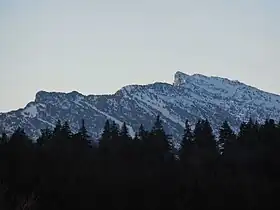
190,97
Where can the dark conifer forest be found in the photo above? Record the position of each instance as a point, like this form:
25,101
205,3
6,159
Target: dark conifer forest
66,170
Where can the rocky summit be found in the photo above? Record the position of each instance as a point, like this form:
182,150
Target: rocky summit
191,97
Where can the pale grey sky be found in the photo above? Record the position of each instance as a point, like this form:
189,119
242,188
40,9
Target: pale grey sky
98,46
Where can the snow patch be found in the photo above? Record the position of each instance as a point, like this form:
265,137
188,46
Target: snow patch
30,111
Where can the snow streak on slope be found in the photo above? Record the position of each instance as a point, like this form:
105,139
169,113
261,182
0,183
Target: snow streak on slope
130,129
160,108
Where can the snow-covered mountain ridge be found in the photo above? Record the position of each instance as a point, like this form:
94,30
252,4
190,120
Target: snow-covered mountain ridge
190,97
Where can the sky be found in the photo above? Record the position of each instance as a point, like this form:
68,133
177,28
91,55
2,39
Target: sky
99,46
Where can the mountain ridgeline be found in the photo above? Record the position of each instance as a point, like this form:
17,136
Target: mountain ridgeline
189,97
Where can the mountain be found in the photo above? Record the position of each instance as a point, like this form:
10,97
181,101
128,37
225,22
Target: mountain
190,97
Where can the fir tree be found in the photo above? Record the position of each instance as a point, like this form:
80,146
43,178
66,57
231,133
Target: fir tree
208,135
158,127
125,142
20,162
124,131
84,133
204,139
80,141
188,135
106,134
57,129
46,135
105,140
226,136
143,134
159,141
187,143
4,139
65,130
114,130
116,143
248,134
19,140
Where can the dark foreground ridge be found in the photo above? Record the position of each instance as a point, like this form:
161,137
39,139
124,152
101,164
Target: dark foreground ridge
64,170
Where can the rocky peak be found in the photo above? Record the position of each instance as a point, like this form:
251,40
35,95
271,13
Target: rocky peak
180,78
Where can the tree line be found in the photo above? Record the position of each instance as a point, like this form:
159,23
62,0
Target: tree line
65,170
